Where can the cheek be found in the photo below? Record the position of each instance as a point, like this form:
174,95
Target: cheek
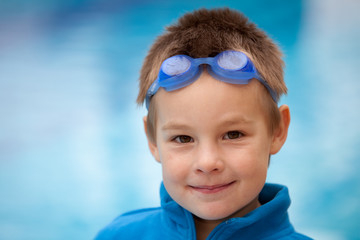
250,162
175,167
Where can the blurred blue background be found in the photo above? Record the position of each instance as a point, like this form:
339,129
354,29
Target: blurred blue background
73,154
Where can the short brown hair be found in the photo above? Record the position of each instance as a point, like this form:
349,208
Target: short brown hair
205,33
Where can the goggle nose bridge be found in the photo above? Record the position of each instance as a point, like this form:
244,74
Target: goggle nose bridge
202,61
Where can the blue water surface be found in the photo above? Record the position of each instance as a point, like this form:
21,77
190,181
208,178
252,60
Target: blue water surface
73,154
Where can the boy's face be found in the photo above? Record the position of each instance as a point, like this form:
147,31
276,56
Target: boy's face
213,141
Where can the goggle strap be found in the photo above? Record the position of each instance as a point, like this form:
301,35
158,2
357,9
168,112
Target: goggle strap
154,87
271,91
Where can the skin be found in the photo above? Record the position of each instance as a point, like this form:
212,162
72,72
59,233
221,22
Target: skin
213,141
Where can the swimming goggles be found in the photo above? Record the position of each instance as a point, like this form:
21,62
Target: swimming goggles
228,66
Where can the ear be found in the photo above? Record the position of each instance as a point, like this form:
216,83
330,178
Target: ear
280,134
152,144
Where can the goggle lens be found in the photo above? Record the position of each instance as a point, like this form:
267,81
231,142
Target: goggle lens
231,60
175,65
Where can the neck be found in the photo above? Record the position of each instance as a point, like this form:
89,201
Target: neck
204,227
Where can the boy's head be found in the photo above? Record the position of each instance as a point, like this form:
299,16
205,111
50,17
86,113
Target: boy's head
214,138
205,33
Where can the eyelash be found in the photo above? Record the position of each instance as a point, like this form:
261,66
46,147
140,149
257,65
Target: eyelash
178,139
187,139
238,135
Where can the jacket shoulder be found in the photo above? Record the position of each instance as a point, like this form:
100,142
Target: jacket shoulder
287,234
129,225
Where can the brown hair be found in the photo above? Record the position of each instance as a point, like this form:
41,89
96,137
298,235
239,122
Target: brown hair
204,33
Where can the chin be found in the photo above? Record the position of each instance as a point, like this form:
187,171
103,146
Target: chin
213,215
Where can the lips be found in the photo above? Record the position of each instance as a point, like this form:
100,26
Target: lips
210,189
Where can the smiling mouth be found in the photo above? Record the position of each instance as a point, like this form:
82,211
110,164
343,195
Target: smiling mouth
213,188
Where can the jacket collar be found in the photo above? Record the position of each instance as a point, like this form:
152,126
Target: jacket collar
268,219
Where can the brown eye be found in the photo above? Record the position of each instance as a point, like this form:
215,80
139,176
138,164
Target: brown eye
183,139
232,135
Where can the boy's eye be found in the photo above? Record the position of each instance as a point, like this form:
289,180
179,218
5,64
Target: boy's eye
232,135
183,139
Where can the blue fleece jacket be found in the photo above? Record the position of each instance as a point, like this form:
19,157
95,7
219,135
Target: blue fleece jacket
270,221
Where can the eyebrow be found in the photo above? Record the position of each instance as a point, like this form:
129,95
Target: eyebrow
171,125
236,120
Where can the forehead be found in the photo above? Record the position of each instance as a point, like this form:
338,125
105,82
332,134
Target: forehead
208,98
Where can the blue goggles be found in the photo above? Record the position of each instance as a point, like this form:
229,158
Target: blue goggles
228,66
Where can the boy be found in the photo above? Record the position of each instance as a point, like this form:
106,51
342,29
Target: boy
211,85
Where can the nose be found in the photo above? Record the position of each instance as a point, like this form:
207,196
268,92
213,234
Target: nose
208,158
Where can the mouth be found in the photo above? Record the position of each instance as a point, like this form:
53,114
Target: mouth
211,189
